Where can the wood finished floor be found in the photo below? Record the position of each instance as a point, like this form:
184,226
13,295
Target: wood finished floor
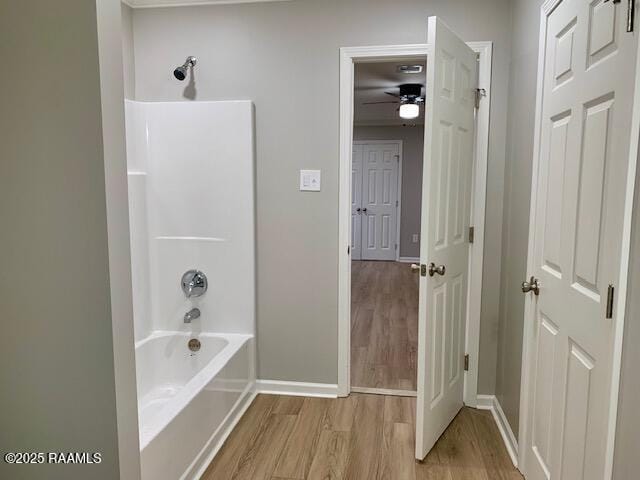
360,437
384,325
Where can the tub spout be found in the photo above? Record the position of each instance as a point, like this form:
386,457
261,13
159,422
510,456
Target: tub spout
191,315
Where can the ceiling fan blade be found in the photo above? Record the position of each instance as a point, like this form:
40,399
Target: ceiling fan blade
375,103
393,94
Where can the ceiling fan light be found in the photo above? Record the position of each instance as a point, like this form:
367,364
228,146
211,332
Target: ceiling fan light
409,110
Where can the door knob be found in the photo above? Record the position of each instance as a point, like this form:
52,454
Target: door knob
415,267
358,209
440,270
364,210
533,285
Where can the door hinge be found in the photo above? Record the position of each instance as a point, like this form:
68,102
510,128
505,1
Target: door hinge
480,92
631,7
396,203
349,250
466,362
472,234
610,295
396,246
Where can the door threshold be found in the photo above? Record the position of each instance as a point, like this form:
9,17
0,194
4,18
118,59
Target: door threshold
385,391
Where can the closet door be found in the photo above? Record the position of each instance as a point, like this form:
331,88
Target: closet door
578,204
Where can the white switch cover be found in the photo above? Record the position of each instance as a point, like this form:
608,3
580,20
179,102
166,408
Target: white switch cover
415,238
310,180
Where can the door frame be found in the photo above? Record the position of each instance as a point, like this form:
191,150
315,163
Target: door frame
620,302
349,56
399,186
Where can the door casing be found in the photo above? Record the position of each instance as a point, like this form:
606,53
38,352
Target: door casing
621,295
348,57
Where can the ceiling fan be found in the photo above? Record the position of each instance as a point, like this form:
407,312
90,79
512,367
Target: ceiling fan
410,99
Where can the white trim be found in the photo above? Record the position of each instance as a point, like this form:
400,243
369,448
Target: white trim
625,256
298,389
634,150
484,402
112,131
491,403
385,391
409,259
217,439
349,55
476,261
398,188
188,3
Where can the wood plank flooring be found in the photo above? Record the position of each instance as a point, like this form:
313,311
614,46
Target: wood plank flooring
361,437
384,325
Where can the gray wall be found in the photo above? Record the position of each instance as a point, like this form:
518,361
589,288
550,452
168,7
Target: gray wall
57,364
412,155
626,459
284,57
517,190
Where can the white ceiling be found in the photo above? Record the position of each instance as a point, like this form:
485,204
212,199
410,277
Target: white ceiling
370,83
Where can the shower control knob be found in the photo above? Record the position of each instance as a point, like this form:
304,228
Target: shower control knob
194,283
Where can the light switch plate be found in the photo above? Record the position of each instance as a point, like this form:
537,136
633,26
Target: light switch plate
415,237
310,180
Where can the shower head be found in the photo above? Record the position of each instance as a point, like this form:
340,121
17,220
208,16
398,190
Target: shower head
181,72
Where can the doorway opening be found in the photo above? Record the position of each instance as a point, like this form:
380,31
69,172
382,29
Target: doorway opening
387,153
351,60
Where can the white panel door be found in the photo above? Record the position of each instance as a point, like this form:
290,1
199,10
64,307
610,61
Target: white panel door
356,203
446,212
380,163
577,215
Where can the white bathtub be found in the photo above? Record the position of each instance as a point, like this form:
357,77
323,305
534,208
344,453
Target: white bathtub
187,401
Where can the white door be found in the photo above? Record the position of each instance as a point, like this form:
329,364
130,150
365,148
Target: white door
380,163
356,203
446,211
577,214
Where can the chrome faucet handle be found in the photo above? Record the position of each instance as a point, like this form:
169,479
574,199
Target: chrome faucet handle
194,283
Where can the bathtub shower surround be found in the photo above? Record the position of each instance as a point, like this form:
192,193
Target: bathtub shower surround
191,200
186,401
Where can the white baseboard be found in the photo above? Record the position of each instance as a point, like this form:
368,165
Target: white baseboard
300,389
409,259
490,402
210,450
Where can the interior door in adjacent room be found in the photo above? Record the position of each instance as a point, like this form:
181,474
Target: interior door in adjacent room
585,94
444,249
377,163
356,203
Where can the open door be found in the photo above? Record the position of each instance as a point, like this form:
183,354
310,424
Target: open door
444,249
